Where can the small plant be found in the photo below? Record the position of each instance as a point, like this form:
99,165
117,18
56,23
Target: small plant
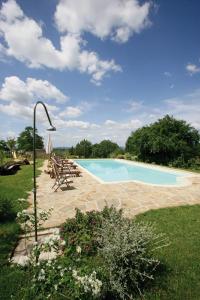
27,219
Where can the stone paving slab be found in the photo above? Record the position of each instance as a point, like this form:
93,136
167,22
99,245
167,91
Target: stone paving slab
89,194
25,245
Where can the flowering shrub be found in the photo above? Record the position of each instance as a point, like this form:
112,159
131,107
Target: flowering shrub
27,219
127,250
103,255
89,282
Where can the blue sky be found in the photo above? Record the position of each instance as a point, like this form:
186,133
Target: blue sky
104,68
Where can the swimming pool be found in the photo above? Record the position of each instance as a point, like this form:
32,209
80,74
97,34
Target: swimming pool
113,171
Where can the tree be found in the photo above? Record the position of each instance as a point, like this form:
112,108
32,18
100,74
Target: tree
72,150
104,149
25,140
165,141
3,149
3,146
84,148
11,144
95,150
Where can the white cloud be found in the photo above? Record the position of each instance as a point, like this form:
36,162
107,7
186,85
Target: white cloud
192,69
167,74
15,110
131,125
90,63
23,92
135,106
25,41
116,19
71,111
186,107
110,123
45,90
62,124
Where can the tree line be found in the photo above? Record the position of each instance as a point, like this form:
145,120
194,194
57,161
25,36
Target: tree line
104,149
24,142
167,141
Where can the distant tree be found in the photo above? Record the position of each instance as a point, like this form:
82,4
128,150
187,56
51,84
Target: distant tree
165,141
11,144
3,146
3,149
84,148
104,149
25,140
95,150
72,150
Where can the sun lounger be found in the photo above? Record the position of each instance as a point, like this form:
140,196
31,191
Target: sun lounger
60,179
66,169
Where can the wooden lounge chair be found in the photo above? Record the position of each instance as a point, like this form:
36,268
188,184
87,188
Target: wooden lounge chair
66,169
60,179
65,162
62,160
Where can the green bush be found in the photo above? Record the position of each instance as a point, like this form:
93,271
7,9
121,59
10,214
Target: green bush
7,210
127,250
120,250
82,231
193,163
105,256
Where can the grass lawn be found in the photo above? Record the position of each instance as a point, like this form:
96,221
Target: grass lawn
12,187
180,278
18,185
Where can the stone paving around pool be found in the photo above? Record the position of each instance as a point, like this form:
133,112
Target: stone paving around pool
88,194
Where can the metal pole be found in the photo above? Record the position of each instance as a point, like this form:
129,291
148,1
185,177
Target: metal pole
34,174
34,162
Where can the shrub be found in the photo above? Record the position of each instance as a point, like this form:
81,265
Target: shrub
7,210
193,163
81,231
126,248
121,250
120,156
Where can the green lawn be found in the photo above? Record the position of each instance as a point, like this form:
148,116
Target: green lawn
12,187
16,186
180,276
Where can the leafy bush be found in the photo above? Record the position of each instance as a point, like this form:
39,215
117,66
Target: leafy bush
129,156
122,249
193,163
7,210
82,231
118,153
127,248
104,256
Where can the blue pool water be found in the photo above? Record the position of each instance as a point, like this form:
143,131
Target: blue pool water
110,170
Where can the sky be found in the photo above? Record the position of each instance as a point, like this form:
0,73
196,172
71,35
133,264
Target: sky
103,67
